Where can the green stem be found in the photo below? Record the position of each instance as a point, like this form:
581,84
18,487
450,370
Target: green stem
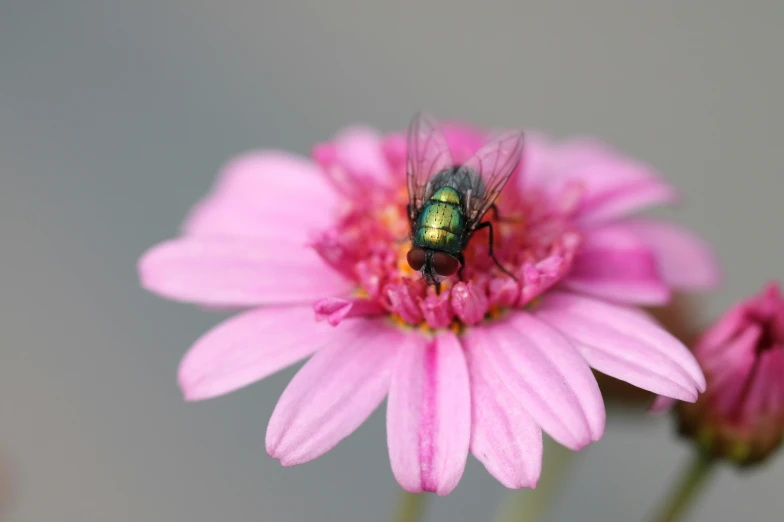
693,478
531,505
410,507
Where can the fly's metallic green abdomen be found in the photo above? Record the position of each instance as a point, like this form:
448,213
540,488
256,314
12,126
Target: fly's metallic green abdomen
441,223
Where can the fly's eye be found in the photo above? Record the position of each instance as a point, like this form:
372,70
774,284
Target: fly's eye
416,258
444,264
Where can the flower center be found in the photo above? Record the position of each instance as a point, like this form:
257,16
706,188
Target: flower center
369,244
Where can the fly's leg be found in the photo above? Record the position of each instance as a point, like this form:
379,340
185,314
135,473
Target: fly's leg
489,226
497,217
438,288
462,265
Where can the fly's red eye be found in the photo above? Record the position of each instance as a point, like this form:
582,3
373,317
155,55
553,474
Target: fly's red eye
444,264
416,258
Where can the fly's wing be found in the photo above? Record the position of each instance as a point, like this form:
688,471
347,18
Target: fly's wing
428,154
489,170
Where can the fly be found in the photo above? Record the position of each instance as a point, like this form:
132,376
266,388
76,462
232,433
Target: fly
446,202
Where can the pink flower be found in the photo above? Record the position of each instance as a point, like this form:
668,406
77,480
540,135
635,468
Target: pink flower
486,365
741,415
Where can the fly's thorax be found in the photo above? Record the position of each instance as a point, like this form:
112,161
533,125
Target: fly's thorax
441,223
446,195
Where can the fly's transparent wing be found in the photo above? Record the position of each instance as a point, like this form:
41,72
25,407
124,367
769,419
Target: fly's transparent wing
489,170
428,154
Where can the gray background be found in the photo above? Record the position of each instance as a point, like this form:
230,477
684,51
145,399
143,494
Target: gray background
115,115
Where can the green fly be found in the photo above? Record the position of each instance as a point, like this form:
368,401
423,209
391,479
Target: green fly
446,202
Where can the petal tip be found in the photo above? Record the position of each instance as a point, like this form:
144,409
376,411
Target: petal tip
188,387
580,444
286,458
190,396
145,268
661,405
523,483
191,381
288,462
193,391
444,487
272,445
516,480
414,489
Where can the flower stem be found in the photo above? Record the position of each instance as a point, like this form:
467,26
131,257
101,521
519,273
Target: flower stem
410,507
531,505
693,478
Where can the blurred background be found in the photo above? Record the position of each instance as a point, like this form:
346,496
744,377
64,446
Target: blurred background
116,115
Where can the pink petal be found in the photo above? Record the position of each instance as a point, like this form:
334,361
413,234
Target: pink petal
771,371
626,344
265,194
335,391
761,397
662,404
618,201
541,369
503,292
540,166
734,354
463,141
685,261
354,161
335,309
504,437
402,299
612,185
538,277
251,346
429,416
733,388
723,330
436,310
616,187
613,263
237,272
469,302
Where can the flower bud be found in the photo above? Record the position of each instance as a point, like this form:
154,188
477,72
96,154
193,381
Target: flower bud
740,417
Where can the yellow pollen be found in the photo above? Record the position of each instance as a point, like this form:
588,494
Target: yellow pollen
402,261
494,312
393,219
398,321
533,303
455,326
